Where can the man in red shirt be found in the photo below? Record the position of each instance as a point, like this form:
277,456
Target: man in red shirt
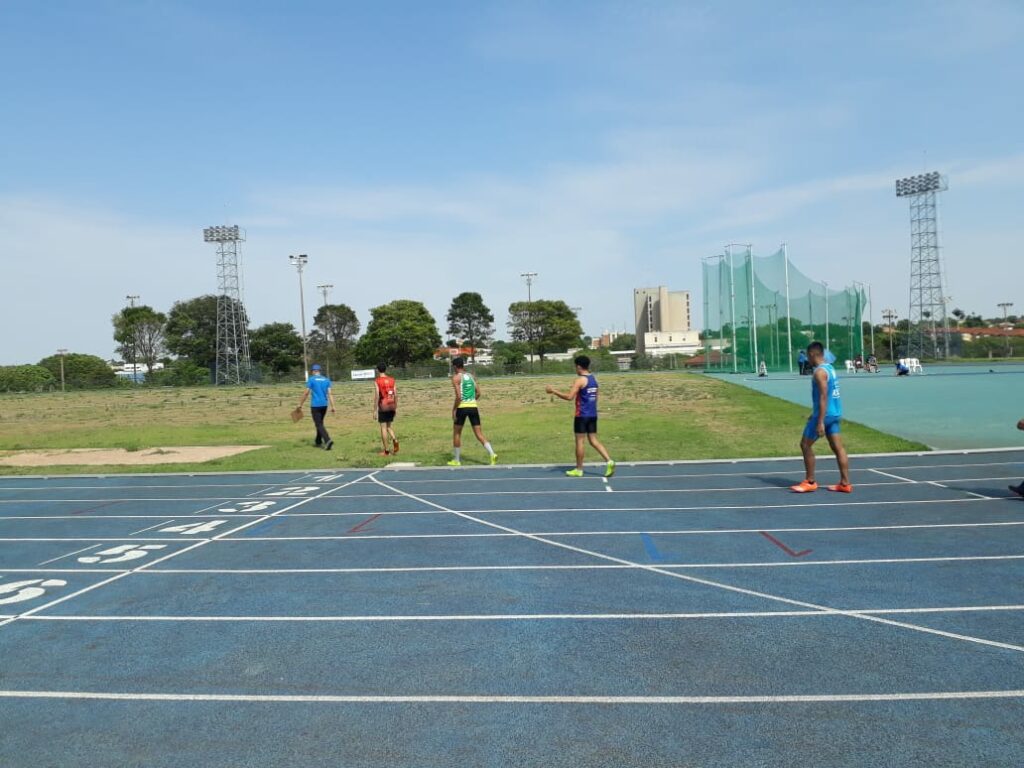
385,407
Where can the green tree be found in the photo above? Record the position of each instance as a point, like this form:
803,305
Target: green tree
546,326
398,333
26,378
191,329
333,338
277,346
81,371
509,354
470,321
139,333
623,342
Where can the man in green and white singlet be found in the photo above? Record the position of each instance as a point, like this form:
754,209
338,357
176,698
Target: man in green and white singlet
466,394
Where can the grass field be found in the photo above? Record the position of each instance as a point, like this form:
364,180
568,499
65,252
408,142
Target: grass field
643,417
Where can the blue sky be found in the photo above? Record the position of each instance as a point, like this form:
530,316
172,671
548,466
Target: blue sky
416,150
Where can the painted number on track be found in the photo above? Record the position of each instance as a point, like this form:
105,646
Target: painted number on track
295,490
248,506
121,554
20,591
191,529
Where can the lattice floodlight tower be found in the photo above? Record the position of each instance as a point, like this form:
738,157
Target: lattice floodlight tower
928,317
233,365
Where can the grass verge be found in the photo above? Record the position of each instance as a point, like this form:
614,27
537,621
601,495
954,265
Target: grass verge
644,416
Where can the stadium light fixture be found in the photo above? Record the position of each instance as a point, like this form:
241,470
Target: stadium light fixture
223,234
924,182
62,352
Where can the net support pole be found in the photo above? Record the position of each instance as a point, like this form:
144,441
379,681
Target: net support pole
871,319
707,318
789,314
753,311
732,309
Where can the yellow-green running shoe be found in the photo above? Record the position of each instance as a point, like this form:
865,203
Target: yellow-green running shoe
454,463
610,469
574,473
494,459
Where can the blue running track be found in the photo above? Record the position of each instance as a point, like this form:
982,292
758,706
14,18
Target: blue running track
687,614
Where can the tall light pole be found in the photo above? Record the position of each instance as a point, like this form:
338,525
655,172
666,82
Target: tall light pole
233,363
299,262
62,352
529,277
889,315
324,290
1005,305
132,298
927,280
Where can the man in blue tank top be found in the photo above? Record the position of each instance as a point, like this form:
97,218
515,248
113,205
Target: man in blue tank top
826,414
584,392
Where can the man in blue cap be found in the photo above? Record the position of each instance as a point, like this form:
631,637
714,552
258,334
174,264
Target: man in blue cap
319,386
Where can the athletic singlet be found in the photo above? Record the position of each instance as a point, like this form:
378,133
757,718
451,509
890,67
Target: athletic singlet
834,409
586,398
468,392
385,393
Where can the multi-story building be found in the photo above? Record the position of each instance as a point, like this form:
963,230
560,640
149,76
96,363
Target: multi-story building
663,322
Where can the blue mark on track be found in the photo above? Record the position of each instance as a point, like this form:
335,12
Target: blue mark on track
652,549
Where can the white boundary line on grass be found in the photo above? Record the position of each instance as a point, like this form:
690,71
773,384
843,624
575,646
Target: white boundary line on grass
716,584
486,699
193,545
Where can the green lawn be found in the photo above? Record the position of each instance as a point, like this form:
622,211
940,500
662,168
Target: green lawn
644,416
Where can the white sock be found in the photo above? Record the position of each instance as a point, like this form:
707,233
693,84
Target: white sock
458,454
490,450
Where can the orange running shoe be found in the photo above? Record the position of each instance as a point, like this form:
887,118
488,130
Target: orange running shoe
394,447
841,488
804,486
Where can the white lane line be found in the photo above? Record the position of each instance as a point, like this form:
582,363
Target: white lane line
110,501
979,495
469,617
890,474
651,531
591,567
176,553
69,554
743,489
686,475
720,585
4,518
143,530
825,698
936,484
89,538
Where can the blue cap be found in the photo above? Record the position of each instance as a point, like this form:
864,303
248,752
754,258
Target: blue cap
316,366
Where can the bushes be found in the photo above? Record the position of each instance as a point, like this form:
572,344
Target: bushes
80,371
26,378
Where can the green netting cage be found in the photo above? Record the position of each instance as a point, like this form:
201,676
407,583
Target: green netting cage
761,309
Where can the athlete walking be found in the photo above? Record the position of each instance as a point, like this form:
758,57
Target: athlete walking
385,408
466,394
584,392
319,386
826,414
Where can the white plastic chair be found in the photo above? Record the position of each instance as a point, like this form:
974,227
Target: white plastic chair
850,367
915,365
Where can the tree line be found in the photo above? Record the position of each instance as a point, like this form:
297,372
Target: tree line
400,333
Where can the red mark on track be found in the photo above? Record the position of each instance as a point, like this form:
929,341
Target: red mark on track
362,525
93,509
783,547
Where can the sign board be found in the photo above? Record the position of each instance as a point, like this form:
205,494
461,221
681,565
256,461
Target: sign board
368,373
